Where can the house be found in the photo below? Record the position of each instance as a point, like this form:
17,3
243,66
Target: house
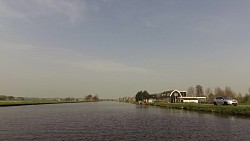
171,96
174,96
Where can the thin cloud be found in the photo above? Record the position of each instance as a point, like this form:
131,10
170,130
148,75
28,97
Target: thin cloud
108,66
69,58
150,24
16,47
72,11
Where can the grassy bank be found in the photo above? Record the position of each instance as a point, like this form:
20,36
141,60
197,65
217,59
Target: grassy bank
32,102
232,110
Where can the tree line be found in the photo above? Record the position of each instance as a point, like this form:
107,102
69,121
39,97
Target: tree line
211,94
5,97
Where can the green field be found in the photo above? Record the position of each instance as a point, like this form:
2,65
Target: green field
32,102
243,110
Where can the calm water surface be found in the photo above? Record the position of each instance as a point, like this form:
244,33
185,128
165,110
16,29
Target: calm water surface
116,121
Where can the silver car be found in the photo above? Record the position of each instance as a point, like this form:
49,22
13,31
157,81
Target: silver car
222,100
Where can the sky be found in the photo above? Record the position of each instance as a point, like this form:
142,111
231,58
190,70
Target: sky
115,48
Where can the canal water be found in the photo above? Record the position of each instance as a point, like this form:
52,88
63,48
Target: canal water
116,121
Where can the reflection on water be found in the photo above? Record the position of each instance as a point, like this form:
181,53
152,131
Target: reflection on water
116,121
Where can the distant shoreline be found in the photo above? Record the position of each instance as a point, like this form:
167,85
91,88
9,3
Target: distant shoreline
34,102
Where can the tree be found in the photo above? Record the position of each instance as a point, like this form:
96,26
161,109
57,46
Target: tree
208,91
69,99
95,98
3,97
10,97
190,91
145,95
138,96
219,92
20,98
141,95
89,97
239,98
209,95
199,90
229,92
246,98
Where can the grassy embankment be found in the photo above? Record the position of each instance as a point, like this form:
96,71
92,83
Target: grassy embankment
32,102
243,110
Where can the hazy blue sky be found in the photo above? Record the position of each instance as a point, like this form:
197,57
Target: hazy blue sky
114,48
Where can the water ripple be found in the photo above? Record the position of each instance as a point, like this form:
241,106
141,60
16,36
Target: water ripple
116,121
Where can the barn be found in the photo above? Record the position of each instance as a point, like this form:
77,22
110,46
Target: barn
171,96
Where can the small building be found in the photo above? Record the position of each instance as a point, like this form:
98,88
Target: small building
191,99
151,100
188,100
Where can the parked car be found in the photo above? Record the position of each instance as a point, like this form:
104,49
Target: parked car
222,100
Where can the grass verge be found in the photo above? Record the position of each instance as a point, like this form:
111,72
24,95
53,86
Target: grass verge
232,110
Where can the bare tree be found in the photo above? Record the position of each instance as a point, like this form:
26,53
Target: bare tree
208,91
210,97
219,92
246,98
199,90
209,94
239,97
190,91
229,92
96,98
